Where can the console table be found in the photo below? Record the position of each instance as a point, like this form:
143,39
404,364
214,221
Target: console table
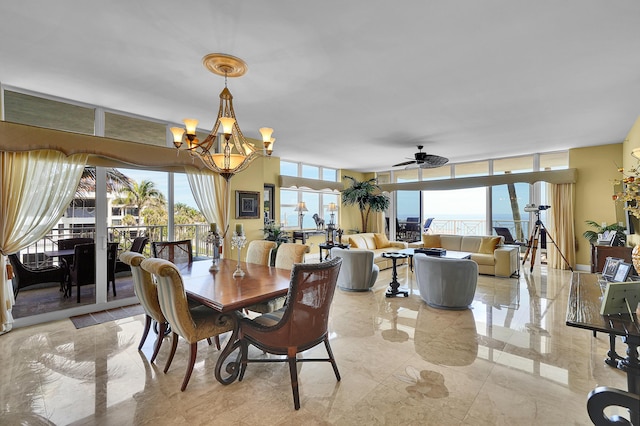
599,255
583,311
302,235
328,247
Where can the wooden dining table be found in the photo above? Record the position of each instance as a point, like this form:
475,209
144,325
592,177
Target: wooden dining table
221,291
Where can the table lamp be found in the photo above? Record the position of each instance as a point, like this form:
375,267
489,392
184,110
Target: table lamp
301,208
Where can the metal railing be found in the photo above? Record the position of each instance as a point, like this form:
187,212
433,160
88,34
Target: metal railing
123,235
467,227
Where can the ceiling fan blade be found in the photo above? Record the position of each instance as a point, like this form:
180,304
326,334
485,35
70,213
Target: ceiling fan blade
404,163
433,161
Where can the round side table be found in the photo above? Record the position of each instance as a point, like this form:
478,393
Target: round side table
395,285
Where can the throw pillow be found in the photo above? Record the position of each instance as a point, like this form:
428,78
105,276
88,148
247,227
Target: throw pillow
381,241
353,242
430,241
488,245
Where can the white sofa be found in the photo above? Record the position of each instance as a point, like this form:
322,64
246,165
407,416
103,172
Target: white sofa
378,243
488,251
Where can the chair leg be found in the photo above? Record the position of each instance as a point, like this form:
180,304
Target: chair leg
174,345
147,326
192,360
217,339
78,292
244,350
293,370
159,339
331,358
113,283
209,341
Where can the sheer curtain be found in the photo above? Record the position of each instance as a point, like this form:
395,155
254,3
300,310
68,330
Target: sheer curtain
35,189
561,227
212,196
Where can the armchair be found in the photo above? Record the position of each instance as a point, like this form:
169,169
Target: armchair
446,283
358,272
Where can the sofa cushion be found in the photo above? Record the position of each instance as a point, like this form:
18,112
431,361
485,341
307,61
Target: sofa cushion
430,241
488,245
356,241
381,241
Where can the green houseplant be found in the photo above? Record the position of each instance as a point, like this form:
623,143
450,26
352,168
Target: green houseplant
592,235
367,195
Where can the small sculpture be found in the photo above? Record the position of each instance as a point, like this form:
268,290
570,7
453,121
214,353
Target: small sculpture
319,221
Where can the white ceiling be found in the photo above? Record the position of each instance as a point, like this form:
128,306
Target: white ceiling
350,84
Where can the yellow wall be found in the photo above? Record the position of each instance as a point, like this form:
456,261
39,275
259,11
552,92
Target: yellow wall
597,170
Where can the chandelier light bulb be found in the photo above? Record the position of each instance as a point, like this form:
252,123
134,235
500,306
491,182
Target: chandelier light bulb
190,124
266,134
177,136
227,124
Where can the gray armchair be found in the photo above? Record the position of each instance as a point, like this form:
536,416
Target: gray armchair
446,283
358,272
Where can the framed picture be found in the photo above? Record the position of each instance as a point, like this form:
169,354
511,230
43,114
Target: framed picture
247,205
269,203
622,273
610,267
620,298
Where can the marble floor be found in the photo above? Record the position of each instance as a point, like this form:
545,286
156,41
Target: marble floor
509,360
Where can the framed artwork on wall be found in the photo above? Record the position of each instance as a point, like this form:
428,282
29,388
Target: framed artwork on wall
247,205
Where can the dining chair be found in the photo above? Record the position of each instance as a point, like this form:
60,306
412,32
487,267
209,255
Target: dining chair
290,253
137,246
82,270
300,325
177,252
112,257
193,324
147,293
25,276
259,251
69,244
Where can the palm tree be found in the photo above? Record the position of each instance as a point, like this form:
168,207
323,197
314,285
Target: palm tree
141,195
367,195
116,181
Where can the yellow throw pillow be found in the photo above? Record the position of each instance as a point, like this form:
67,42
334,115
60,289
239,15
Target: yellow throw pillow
353,243
488,245
429,240
381,241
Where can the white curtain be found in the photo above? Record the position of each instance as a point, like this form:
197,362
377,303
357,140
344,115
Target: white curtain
211,192
561,226
35,189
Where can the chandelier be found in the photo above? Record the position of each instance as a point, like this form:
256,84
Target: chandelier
236,153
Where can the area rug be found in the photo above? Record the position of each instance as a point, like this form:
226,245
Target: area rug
81,321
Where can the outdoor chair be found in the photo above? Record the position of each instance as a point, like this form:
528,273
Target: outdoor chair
25,276
82,270
177,252
508,238
297,327
192,324
137,246
112,257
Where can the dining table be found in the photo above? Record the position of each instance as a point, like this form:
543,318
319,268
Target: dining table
228,294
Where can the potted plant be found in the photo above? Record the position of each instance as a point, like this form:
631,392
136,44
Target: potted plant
619,240
367,195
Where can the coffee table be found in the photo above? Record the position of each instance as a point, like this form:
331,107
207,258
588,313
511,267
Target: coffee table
451,254
395,285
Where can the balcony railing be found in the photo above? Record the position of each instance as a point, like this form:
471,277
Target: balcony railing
123,235
468,227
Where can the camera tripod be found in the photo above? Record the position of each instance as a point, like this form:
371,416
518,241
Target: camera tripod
540,231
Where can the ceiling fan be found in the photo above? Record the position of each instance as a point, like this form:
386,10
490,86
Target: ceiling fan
424,160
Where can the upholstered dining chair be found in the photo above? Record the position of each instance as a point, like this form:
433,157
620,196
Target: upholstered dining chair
25,276
177,252
147,293
358,272
259,251
299,326
290,253
82,270
193,324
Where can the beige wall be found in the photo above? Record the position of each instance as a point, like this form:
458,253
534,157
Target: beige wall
597,170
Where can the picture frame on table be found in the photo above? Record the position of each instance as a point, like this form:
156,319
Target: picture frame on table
622,272
610,267
247,205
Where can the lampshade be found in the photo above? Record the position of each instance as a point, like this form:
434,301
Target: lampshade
333,207
301,207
